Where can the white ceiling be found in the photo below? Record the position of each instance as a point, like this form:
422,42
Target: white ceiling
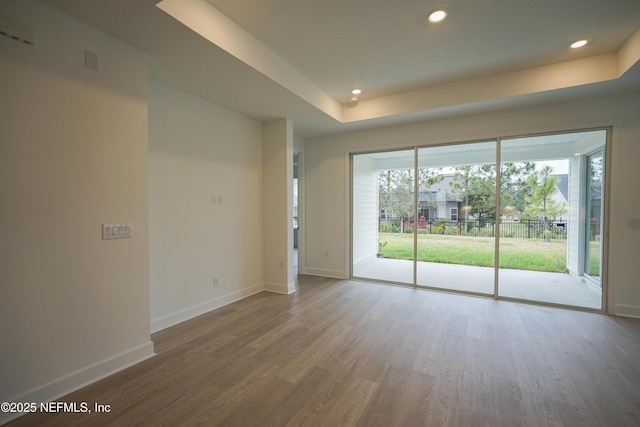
301,58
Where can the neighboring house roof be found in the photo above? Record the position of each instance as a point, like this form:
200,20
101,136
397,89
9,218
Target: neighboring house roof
563,185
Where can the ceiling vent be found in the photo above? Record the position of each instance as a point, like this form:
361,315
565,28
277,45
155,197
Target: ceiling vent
16,30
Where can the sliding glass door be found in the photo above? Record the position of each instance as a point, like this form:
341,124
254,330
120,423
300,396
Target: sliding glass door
543,243
383,208
456,217
518,218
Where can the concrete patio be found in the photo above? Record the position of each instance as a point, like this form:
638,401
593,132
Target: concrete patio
555,288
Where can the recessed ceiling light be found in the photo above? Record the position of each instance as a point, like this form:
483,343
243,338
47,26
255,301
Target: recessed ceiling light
356,91
579,43
437,15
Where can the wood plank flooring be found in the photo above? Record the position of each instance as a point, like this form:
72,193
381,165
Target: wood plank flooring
345,353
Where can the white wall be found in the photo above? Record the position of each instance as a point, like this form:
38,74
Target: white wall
327,177
277,181
198,150
298,146
73,156
575,225
365,209
326,213
623,266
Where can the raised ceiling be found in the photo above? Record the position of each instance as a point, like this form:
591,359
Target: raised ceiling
300,59
385,47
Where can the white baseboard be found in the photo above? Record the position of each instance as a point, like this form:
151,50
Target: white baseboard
326,273
627,310
280,289
202,308
81,378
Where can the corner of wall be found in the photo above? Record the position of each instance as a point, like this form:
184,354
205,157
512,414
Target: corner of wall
280,289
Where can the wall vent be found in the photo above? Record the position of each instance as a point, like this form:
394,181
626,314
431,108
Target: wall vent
16,31
91,60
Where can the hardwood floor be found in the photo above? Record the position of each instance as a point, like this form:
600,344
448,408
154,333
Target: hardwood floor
344,353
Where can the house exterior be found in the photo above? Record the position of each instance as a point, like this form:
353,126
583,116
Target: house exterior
438,201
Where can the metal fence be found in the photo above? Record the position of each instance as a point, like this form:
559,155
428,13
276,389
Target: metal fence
520,229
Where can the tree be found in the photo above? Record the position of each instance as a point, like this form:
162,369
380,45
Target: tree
514,188
543,185
396,188
476,186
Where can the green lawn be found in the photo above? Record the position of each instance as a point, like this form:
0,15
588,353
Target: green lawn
594,258
521,254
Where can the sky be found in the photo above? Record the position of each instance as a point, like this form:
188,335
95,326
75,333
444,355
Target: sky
560,167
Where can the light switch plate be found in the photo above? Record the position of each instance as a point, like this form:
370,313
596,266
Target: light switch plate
117,231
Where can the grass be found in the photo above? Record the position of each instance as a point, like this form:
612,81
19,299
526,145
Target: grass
594,258
521,254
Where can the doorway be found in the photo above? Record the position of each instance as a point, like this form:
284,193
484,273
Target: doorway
296,213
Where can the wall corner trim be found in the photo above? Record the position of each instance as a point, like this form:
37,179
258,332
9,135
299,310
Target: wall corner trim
279,288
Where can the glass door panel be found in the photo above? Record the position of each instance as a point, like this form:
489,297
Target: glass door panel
383,210
593,221
456,217
540,231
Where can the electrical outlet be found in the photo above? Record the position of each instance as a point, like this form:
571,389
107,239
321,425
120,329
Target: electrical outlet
216,282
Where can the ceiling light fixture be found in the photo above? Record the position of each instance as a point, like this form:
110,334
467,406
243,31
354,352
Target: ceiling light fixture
579,43
437,15
356,91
